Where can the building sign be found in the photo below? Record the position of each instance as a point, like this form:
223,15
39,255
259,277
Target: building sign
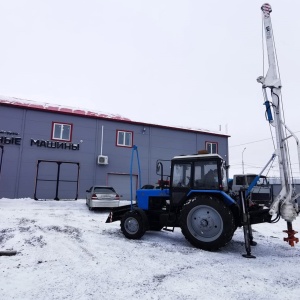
9,137
54,145
8,132
10,140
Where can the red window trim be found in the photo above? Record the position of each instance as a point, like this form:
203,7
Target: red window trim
124,146
206,142
62,123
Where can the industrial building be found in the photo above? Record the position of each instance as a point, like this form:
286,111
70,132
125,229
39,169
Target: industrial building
57,152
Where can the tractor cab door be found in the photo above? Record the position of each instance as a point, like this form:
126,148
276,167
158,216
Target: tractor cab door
206,173
181,181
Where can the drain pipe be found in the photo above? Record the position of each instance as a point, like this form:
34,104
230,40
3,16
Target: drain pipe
101,146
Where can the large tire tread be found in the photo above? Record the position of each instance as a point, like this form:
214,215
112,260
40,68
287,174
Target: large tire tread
226,216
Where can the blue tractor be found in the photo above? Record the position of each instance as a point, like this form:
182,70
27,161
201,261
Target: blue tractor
195,199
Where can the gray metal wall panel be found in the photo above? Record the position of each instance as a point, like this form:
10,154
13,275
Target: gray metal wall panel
9,171
19,161
121,183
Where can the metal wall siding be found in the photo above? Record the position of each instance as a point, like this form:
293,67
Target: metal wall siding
17,178
121,183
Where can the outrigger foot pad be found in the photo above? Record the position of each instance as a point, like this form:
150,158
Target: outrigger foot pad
248,255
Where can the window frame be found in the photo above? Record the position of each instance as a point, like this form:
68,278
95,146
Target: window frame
211,143
54,123
182,174
124,144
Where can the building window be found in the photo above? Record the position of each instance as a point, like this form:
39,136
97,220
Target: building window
61,131
211,147
124,138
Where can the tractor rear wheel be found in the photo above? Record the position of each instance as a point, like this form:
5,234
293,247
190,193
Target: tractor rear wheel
207,223
132,225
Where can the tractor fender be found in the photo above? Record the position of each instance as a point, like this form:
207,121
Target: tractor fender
228,201
143,216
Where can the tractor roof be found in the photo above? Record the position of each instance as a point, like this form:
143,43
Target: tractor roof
197,156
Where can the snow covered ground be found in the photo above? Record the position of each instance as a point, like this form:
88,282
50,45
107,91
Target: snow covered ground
67,252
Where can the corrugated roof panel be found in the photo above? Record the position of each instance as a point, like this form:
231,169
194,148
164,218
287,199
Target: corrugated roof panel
80,111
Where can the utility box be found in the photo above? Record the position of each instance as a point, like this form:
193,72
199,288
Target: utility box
102,160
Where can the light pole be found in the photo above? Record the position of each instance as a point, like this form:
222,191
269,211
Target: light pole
243,159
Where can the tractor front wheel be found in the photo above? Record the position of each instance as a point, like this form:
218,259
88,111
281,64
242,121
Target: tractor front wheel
132,225
207,223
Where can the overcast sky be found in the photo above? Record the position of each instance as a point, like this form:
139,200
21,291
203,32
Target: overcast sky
188,63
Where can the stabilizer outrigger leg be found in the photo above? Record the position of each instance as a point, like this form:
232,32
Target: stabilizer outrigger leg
291,239
247,227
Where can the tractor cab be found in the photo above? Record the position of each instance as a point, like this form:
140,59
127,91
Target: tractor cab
196,172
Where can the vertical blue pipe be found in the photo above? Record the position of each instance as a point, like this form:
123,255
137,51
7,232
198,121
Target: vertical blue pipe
134,148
